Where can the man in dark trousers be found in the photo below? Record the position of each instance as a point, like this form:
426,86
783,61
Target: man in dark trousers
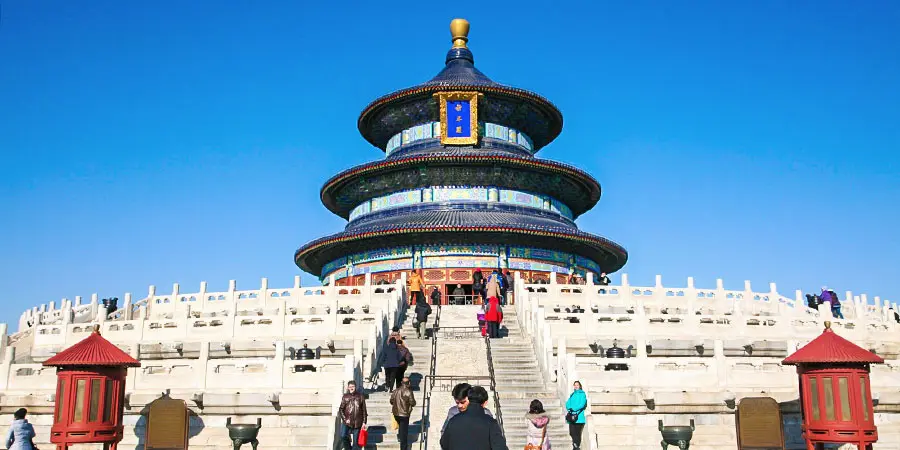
423,309
473,429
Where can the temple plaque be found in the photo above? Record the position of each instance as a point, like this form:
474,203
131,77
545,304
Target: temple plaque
759,425
168,422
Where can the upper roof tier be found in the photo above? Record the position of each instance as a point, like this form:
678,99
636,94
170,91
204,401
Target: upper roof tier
504,105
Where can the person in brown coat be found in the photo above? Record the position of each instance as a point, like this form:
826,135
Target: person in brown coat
353,416
402,403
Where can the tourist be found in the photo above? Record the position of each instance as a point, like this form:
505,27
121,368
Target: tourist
416,285
575,406
829,296
21,434
423,310
473,430
435,296
603,280
478,284
493,315
405,360
402,403
461,401
482,324
538,423
390,358
459,295
812,301
492,289
353,416
510,283
501,281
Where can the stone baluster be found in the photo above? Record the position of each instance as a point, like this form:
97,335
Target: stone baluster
278,366
134,350
799,302
203,362
775,299
690,294
126,308
66,314
9,355
94,307
296,281
232,296
561,352
203,300
262,297
721,363
4,338
367,289
722,304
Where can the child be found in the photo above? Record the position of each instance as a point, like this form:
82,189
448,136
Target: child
481,322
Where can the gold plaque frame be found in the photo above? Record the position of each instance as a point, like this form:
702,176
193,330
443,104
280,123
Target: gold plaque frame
472,98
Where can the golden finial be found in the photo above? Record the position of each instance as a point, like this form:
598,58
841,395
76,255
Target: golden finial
827,324
459,29
96,328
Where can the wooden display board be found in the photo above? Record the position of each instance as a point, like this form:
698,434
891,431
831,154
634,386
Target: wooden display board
759,424
168,422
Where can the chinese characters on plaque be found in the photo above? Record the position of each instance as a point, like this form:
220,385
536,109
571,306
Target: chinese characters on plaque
459,117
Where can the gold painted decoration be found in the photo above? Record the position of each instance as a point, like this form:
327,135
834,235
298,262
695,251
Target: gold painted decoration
459,117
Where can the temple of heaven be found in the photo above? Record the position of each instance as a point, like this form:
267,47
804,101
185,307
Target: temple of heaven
459,188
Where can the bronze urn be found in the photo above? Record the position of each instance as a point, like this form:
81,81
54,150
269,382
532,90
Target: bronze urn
679,435
243,433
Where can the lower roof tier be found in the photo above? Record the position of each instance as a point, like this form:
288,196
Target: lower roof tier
568,184
477,227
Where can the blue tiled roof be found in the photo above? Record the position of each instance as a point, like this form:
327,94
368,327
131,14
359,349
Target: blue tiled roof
469,214
524,110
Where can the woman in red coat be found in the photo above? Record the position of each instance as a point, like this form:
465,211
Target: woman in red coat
493,316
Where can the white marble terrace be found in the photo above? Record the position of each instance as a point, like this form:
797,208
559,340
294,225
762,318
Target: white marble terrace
695,352
225,353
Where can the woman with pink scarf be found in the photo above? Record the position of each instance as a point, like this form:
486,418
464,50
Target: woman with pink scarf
538,423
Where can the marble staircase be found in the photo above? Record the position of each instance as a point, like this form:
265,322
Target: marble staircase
381,436
519,381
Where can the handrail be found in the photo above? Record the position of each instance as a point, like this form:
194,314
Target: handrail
428,382
490,361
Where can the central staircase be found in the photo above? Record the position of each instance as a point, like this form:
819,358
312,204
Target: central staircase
519,381
378,401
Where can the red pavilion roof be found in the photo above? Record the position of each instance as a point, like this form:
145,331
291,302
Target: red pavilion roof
94,350
831,348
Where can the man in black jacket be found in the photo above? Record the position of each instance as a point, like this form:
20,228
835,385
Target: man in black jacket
473,429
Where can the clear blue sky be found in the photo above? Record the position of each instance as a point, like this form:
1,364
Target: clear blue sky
158,142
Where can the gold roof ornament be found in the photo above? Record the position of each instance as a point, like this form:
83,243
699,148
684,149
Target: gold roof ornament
459,29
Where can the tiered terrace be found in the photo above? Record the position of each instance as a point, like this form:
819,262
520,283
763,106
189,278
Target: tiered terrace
693,353
228,353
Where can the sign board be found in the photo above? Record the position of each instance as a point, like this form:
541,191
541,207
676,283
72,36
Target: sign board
168,422
459,117
759,425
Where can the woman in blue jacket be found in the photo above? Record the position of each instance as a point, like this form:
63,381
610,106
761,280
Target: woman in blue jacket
575,406
21,434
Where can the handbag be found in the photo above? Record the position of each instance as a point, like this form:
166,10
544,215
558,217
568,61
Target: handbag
363,438
543,437
394,425
571,416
